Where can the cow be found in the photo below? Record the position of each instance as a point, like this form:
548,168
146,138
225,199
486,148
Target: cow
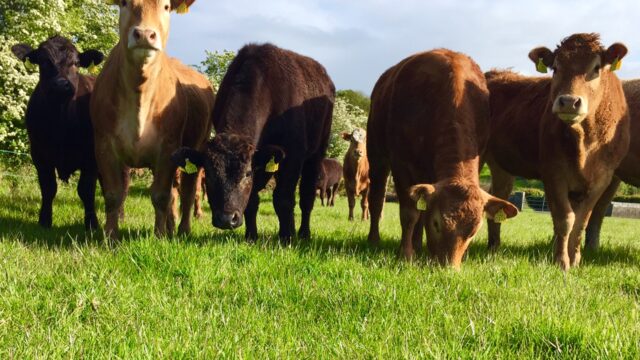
428,125
273,116
579,120
356,171
329,180
147,105
59,124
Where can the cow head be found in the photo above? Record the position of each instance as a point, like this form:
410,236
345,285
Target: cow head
580,67
454,215
144,26
358,144
229,164
59,62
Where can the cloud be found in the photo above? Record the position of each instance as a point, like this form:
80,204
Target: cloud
358,39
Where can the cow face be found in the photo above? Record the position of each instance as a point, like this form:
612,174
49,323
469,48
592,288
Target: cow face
454,216
358,148
229,164
58,61
144,26
579,64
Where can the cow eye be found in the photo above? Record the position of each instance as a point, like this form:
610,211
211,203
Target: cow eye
596,69
167,7
248,173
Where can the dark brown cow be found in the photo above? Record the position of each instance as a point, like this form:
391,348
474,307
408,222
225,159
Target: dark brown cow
428,124
273,115
329,180
356,171
584,134
146,105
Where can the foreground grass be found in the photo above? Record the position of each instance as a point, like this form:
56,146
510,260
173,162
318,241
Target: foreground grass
64,294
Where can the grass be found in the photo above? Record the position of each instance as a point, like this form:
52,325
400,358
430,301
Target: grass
63,294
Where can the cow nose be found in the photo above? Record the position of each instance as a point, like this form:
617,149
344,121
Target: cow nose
144,35
227,221
570,102
358,153
63,84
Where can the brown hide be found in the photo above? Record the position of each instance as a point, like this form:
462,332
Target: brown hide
356,171
428,124
146,105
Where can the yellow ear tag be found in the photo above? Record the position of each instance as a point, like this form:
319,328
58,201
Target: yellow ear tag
272,166
182,9
29,65
500,217
189,167
541,67
616,65
93,69
422,204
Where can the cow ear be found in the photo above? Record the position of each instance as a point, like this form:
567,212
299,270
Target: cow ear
91,58
181,6
497,208
422,192
615,52
180,156
22,51
346,136
543,58
275,152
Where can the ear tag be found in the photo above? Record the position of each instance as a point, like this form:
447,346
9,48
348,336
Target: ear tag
500,217
541,67
29,65
272,166
422,204
183,8
93,69
189,167
616,65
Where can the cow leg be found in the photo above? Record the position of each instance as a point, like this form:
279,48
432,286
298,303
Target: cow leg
501,187
334,191
113,189
310,172
418,230
172,214
351,196
378,175
323,191
409,218
126,179
87,193
284,199
48,190
251,211
563,220
188,193
364,204
197,209
161,197
598,214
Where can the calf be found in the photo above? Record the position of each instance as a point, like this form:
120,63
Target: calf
356,171
273,116
329,180
146,106
428,124
584,134
58,122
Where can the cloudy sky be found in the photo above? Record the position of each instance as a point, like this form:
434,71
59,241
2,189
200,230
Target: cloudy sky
356,40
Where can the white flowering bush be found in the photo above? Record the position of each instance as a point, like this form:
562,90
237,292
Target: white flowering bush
346,117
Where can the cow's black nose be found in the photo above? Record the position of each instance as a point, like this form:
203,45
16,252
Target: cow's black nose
62,84
227,221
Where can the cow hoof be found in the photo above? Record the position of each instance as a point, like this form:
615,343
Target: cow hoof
47,223
304,235
91,224
285,240
563,262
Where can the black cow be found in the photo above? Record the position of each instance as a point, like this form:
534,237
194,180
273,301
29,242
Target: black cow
272,116
329,180
58,122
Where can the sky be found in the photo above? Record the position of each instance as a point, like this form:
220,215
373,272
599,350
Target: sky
357,40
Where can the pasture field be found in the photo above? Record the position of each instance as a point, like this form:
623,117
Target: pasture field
64,294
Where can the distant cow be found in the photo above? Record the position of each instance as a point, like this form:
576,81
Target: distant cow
272,116
147,105
329,180
428,124
58,122
356,171
584,134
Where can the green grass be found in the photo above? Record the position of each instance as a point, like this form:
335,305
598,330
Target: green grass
65,294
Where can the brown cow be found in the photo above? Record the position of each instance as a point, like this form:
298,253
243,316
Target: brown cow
356,171
428,124
146,105
329,180
583,133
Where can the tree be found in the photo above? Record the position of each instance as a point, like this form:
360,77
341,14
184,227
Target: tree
91,24
356,98
215,65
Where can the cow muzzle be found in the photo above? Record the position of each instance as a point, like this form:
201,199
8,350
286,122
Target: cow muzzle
228,221
141,38
571,109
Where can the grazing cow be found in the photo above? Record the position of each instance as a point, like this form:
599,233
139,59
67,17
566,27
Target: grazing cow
428,124
146,105
273,115
583,132
58,122
356,171
329,180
